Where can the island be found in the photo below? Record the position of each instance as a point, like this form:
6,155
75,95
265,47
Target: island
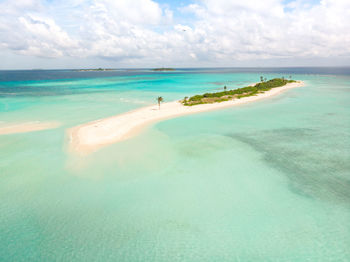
89,137
96,69
164,69
238,93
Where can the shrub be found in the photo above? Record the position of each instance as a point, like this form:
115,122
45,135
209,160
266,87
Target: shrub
239,92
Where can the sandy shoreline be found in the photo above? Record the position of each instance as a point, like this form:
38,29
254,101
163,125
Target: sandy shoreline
14,128
91,136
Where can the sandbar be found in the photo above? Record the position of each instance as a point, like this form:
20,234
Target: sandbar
13,128
89,137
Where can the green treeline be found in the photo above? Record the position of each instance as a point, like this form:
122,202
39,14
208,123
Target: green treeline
163,69
235,93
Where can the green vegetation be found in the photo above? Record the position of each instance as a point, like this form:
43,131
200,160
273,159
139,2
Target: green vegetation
236,93
163,69
96,69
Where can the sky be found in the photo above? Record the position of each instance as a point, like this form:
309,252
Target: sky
58,34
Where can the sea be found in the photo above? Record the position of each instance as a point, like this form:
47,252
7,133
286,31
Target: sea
265,181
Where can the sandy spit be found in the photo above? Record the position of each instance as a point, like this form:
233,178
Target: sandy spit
13,128
89,137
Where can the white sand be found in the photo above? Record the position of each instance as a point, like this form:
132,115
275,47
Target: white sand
13,128
91,136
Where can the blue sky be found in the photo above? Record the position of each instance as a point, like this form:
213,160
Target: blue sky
184,33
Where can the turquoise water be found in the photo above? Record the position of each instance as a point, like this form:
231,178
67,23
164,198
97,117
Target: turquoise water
267,181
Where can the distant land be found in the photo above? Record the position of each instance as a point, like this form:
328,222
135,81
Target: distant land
96,69
113,69
163,69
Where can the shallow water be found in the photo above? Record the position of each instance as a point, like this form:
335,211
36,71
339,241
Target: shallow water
267,181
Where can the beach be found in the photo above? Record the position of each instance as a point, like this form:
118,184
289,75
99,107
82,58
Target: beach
89,137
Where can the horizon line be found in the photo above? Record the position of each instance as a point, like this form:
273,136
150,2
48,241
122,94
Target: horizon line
150,68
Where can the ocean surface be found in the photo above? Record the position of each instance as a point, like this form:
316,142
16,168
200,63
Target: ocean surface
266,181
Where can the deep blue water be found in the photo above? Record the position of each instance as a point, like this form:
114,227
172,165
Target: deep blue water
29,75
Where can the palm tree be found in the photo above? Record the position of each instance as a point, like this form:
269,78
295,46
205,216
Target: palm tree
159,99
225,88
261,78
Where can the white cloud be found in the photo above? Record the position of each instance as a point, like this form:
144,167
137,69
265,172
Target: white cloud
45,37
262,29
134,12
142,32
